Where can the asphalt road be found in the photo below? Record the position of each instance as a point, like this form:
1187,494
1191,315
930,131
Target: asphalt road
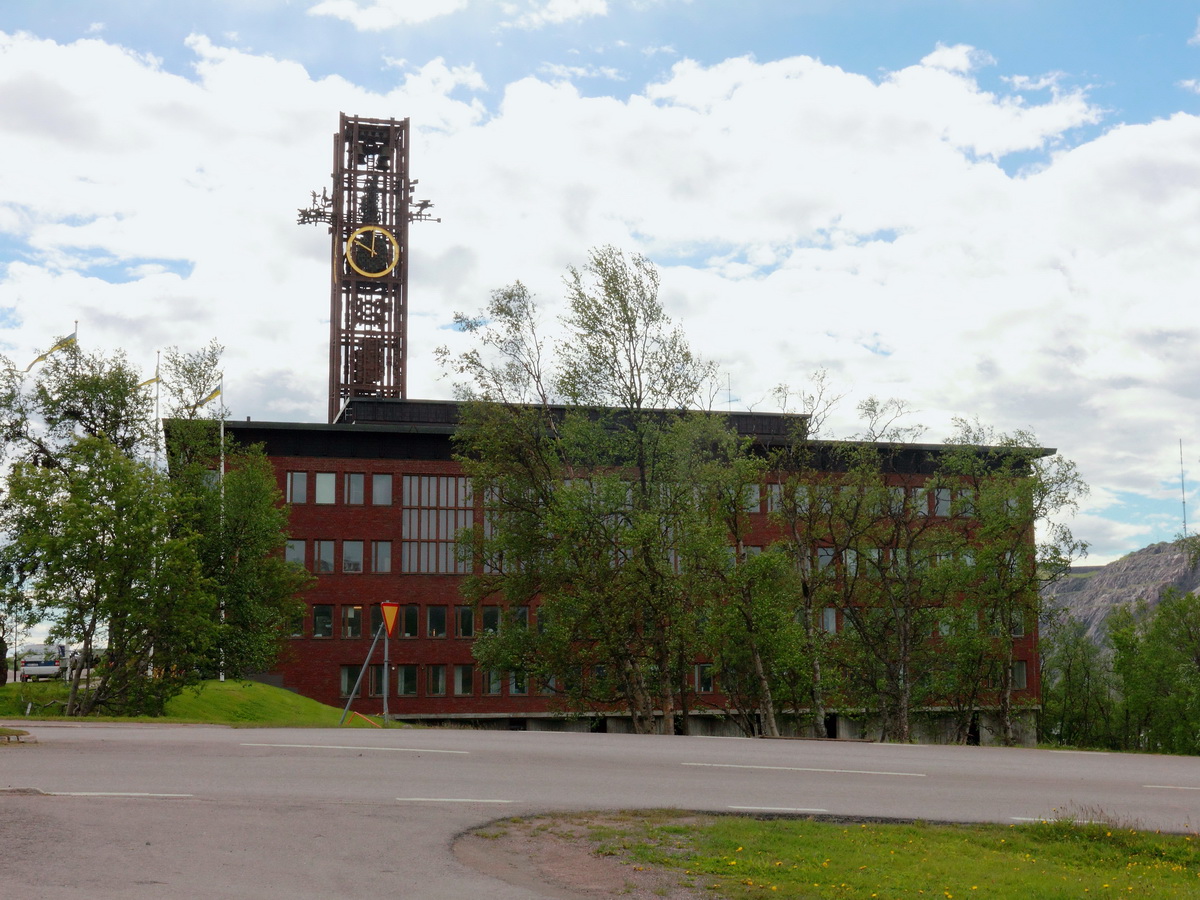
196,811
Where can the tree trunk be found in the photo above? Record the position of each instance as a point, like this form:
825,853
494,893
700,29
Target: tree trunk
1005,710
818,694
764,685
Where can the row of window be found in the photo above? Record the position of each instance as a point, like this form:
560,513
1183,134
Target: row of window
827,621
460,681
441,556
466,622
450,492
417,557
438,621
417,491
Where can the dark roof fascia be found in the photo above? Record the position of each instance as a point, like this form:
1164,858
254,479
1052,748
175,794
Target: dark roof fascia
916,459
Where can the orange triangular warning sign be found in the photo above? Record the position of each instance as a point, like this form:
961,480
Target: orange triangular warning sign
389,616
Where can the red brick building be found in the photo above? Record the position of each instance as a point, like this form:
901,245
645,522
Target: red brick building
375,506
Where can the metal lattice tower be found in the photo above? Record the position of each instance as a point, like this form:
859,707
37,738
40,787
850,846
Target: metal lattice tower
368,215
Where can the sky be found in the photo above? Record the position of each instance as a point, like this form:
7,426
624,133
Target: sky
986,208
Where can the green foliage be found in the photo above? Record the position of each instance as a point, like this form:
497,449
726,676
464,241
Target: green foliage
1139,690
1156,660
577,456
166,575
94,530
1079,699
240,528
622,509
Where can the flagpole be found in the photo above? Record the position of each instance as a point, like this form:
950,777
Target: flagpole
157,414
221,481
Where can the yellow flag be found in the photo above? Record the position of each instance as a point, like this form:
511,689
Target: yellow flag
213,396
60,345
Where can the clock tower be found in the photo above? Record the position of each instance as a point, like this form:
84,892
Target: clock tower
368,213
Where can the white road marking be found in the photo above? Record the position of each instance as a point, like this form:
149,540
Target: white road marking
446,800
778,809
111,794
1171,787
805,769
346,747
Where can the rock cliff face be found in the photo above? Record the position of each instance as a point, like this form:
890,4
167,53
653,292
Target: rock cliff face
1090,593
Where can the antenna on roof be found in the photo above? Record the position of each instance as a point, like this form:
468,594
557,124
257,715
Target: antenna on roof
1182,488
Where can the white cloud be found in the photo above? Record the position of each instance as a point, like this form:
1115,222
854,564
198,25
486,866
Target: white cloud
1194,40
536,14
1190,84
569,72
381,15
802,215
958,58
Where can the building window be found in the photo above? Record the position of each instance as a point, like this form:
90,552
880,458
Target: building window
435,622
941,502
352,556
376,618
353,488
751,498
704,678
381,489
518,683
325,488
322,621
521,616
437,681
436,508
297,487
1019,673
492,680
829,619
381,556
825,557
296,628
293,552
406,681
375,682
408,621
464,621
351,621
491,620
323,550
464,680
349,678
1018,627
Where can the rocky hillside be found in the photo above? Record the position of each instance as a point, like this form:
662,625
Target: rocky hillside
1090,593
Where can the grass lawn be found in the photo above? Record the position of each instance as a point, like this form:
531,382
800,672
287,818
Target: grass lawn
237,703
748,858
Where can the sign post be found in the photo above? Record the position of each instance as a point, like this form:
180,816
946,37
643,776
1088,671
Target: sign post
390,610
388,624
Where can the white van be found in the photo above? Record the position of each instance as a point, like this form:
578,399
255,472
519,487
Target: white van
37,669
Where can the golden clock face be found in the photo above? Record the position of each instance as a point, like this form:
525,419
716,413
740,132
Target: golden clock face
372,251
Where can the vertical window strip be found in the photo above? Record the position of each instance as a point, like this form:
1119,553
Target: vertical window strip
435,509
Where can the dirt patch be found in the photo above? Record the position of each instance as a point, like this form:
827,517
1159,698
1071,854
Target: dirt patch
560,856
